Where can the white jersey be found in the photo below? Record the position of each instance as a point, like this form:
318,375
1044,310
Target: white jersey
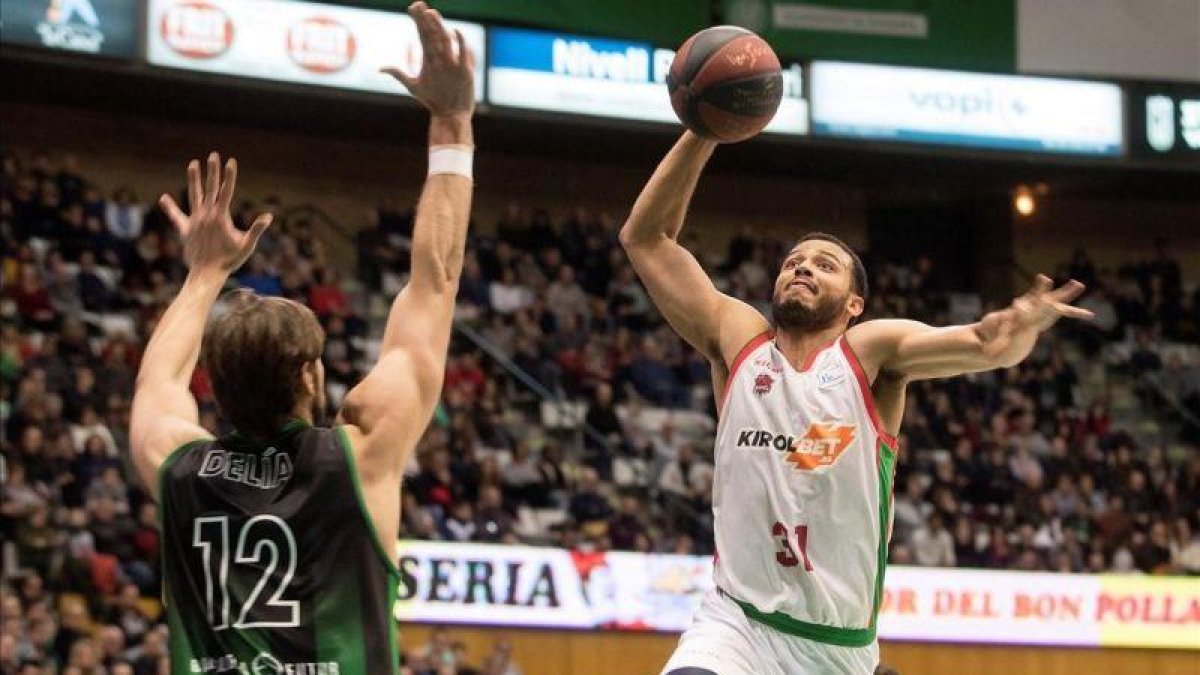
802,493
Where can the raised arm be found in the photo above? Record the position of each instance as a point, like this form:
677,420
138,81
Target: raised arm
388,411
1001,339
164,414
712,322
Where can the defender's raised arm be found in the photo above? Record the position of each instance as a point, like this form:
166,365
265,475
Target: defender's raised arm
164,414
389,409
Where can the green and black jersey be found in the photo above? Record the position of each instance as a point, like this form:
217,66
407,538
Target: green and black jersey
271,565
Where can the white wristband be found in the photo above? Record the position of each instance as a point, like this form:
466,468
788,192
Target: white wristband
456,159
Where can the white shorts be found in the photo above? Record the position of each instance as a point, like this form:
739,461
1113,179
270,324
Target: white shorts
724,640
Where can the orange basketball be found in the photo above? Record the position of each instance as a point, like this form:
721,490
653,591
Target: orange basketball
725,83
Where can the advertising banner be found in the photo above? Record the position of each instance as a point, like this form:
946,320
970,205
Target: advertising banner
603,77
102,27
967,109
557,588
662,22
301,42
548,587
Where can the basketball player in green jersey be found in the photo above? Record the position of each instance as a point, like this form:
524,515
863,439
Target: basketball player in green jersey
810,403
279,539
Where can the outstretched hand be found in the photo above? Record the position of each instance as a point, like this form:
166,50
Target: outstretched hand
1037,310
211,242
446,83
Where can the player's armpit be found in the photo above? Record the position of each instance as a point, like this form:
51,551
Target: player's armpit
392,405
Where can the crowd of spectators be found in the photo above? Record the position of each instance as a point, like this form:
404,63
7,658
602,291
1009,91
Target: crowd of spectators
1019,468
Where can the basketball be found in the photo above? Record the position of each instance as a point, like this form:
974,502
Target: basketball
725,84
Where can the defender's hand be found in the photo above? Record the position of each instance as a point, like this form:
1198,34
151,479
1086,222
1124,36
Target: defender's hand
211,242
446,83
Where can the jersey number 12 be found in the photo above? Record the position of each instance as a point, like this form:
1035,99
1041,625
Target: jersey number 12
264,543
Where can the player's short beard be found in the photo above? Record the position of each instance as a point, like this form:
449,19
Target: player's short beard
793,315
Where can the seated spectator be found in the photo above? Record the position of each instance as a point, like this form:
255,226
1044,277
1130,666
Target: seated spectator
33,301
37,540
325,296
521,478
626,527
588,505
127,615
123,215
1185,548
110,642
627,299
113,534
602,415
652,378
256,276
966,544
473,288
110,486
1144,358
465,379
20,498
911,509
553,474
1025,467
146,537
1152,554
435,485
62,287
84,657
685,476
460,524
932,544
565,297
93,290
493,524
506,295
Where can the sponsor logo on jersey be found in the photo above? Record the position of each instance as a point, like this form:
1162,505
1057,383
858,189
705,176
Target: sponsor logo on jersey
265,471
820,446
263,664
769,364
830,377
762,384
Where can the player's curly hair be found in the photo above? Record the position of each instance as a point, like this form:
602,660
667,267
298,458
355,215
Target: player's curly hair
858,274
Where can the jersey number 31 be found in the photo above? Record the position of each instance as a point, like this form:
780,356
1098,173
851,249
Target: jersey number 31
784,554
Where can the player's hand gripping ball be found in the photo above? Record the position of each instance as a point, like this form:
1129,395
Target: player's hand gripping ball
725,84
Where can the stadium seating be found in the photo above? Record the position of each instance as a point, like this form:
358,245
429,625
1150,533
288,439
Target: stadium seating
571,415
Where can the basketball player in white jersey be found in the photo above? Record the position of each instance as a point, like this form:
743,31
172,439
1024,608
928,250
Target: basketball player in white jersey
804,460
